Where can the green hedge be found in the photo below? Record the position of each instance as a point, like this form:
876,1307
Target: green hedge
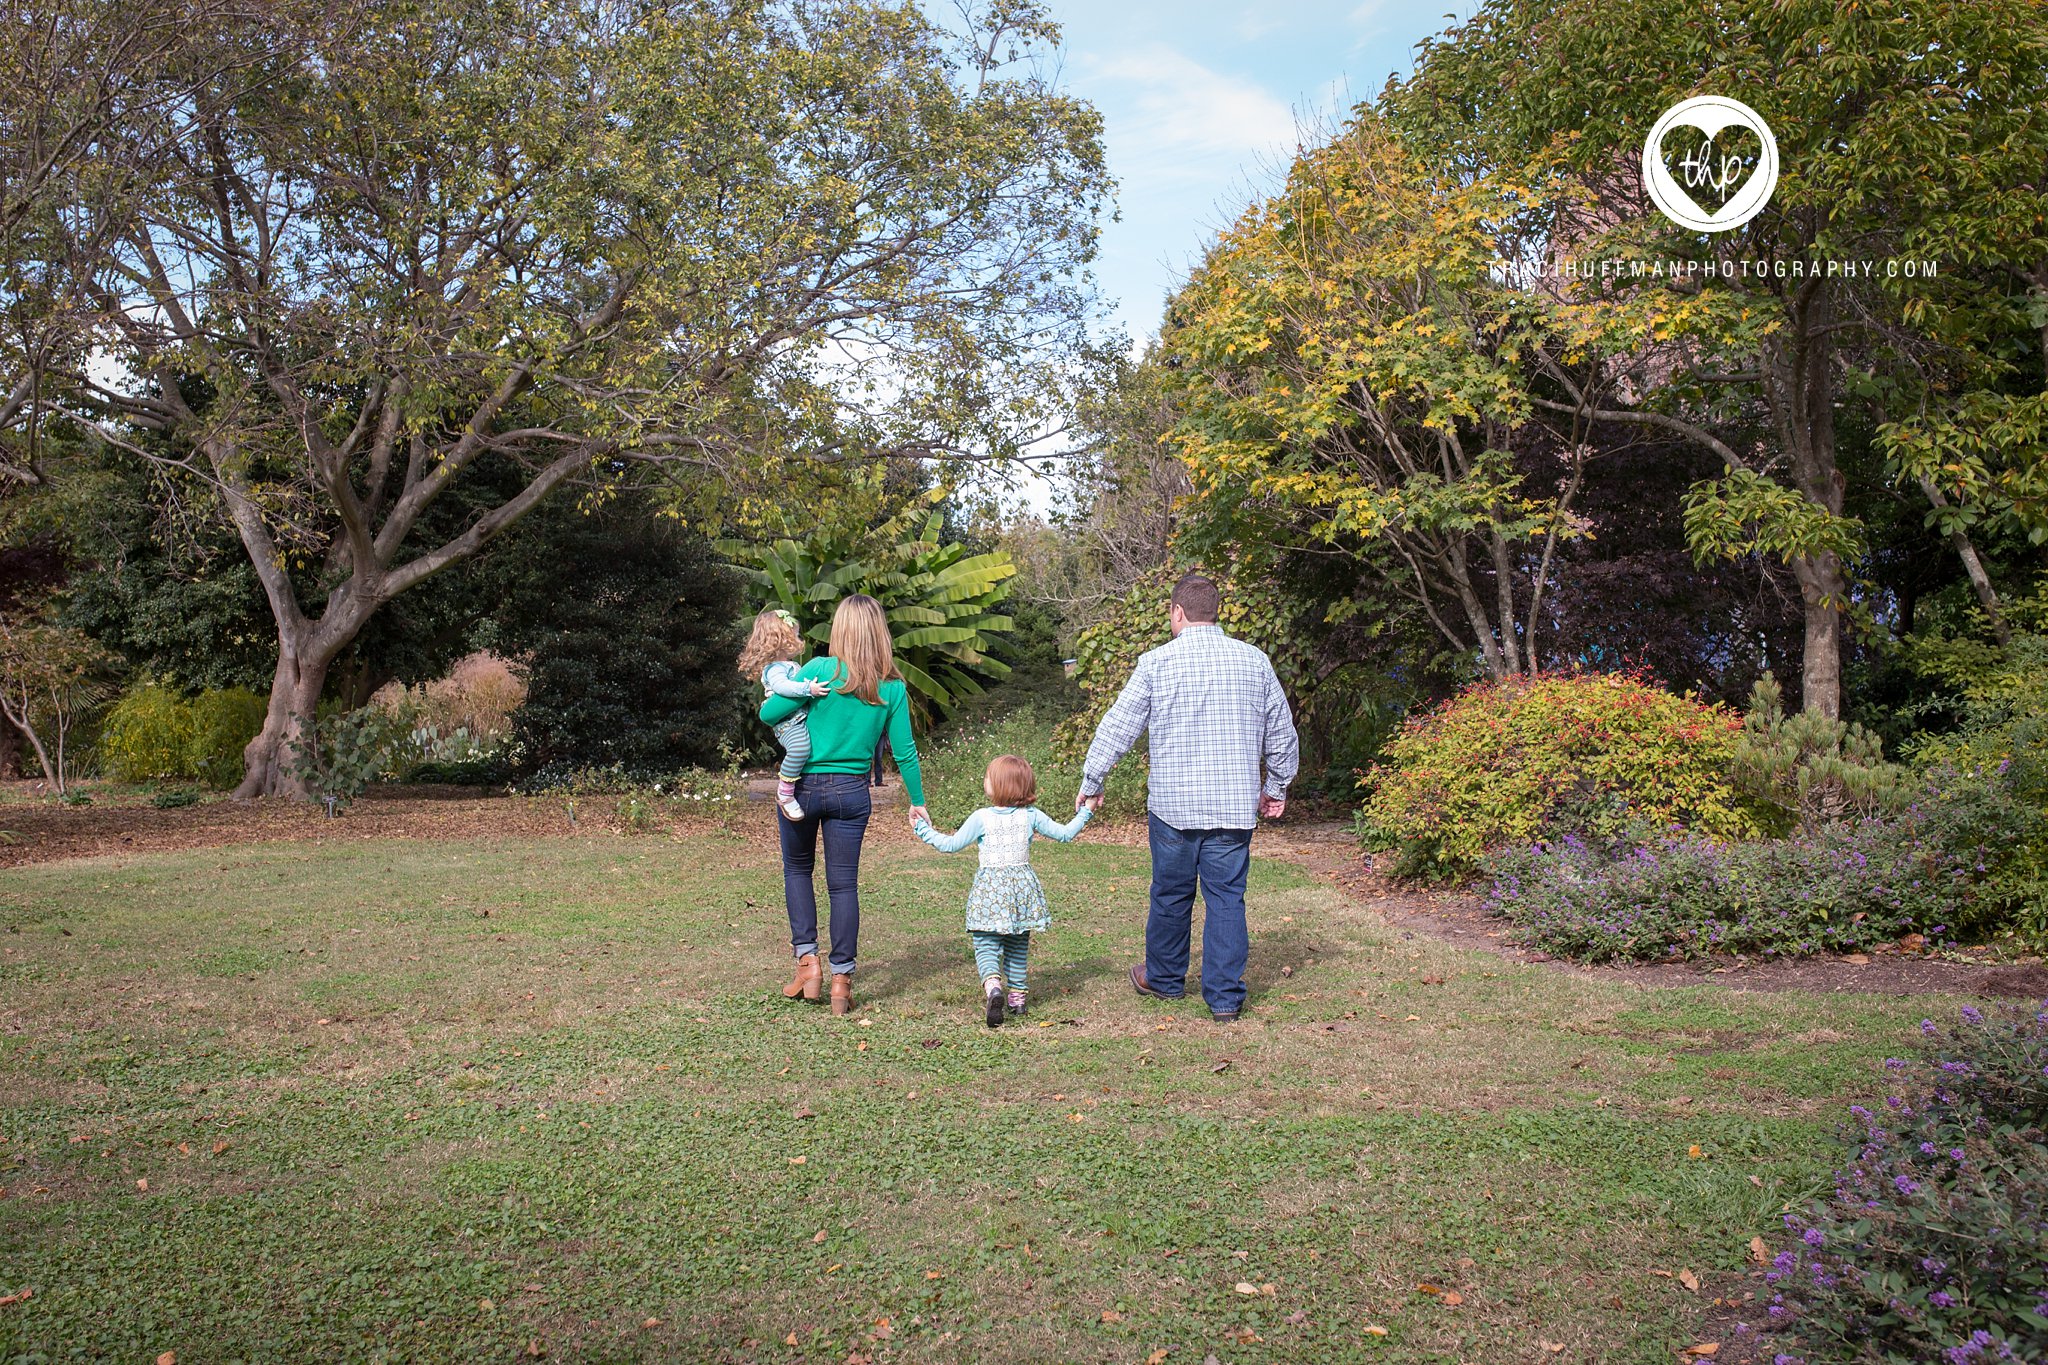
153,734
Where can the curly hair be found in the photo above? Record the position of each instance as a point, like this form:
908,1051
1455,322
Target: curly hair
774,637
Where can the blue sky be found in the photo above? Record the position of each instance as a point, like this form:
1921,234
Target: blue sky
1201,104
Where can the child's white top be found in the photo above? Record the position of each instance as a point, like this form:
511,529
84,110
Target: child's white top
1004,833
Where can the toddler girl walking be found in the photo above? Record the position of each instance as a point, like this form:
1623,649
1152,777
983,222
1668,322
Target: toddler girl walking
1006,904
771,654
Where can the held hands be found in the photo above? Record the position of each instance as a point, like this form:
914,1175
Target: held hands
919,816
1088,802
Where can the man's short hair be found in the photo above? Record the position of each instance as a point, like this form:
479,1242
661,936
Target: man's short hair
1197,597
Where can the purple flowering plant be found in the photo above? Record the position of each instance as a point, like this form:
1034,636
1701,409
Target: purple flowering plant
1934,1243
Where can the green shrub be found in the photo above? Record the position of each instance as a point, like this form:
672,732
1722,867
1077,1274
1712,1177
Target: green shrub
1811,770
2004,735
223,721
1506,763
148,736
153,734
955,764
1108,650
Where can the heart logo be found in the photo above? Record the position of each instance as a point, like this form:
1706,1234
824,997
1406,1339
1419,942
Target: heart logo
1706,172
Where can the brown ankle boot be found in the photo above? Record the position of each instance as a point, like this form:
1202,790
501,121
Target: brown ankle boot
806,982
842,993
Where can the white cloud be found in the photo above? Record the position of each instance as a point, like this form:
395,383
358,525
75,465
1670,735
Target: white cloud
1174,105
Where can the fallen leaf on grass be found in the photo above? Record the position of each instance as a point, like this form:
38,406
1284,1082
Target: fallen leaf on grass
184,1149
1694,1152
935,1274
142,1185
796,1161
650,1323
1453,1297
1689,1280
819,1236
23,1297
1429,1289
1374,1330
835,1267
1412,1019
1158,1357
1220,1068
1665,1273
1705,1348
789,1340
1432,981
167,1358
1858,959
1245,1287
1110,1315
1551,1346
803,1111
219,1147
1758,1252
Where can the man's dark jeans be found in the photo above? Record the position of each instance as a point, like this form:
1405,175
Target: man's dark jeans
1219,860
837,806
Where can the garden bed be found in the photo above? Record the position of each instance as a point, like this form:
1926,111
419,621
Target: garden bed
1466,922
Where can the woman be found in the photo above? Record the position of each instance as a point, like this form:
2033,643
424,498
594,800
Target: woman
867,701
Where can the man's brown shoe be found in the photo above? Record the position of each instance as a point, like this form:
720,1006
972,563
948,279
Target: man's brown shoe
806,982
1144,987
842,992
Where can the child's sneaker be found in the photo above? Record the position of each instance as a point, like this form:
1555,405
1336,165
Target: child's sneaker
994,992
785,797
1016,1003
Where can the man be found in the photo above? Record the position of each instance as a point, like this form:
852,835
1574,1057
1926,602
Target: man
1216,713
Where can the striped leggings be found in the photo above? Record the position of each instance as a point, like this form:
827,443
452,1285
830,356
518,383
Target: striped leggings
1000,955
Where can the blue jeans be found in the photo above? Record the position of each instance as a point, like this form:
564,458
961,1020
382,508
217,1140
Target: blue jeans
837,806
1220,860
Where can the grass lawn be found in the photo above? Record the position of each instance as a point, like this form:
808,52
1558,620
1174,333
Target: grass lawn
408,1100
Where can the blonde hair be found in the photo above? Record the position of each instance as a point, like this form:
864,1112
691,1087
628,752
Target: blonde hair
773,637
1011,781
860,642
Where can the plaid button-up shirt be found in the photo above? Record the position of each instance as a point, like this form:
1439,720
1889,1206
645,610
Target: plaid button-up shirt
1216,714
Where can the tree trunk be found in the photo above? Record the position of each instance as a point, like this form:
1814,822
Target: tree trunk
1802,384
10,749
295,689
1821,585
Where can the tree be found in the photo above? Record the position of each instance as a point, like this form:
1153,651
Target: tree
49,678
94,89
943,602
1350,360
432,244
1904,132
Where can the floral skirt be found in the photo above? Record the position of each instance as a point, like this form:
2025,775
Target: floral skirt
1007,900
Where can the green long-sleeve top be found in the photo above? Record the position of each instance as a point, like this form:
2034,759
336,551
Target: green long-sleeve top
845,730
